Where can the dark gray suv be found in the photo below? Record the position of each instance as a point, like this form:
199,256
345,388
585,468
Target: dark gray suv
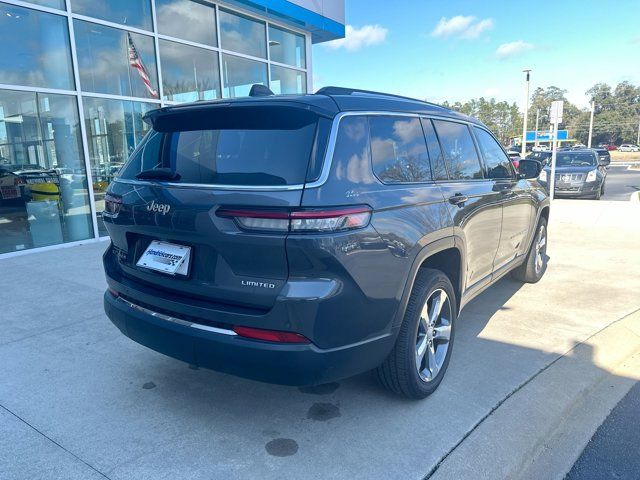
303,239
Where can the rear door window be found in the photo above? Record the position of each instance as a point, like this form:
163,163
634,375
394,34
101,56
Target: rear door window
398,149
497,162
459,151
438,168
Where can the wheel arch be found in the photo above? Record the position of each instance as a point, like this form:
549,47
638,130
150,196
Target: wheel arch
446,255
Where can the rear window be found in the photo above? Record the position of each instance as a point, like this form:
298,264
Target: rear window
238,146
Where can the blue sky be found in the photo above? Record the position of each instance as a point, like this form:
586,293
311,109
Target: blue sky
462,49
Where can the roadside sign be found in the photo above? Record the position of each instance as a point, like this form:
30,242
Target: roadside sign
555,113
546,135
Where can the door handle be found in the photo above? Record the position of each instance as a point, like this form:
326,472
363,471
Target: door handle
458,199
503,188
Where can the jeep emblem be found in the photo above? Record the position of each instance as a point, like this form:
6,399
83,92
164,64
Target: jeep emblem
162,208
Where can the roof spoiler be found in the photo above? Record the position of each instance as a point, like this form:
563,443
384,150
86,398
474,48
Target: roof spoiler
259,90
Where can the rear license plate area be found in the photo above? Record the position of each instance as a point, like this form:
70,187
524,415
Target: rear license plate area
165,257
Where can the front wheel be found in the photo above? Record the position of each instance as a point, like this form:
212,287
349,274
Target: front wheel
534,266
416,365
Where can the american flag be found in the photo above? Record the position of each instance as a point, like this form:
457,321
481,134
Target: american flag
136,62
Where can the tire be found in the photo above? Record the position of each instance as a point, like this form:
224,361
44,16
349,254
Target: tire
534,266
598,194
399,372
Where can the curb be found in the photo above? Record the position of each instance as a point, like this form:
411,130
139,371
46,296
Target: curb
543,425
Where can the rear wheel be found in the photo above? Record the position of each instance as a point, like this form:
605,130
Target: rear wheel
535,264
416,365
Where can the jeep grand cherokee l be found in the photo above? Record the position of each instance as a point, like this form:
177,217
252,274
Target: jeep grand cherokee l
303,239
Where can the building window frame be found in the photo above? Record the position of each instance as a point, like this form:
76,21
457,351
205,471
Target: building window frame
78,93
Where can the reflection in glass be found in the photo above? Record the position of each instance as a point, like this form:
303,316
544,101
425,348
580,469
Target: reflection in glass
459,150
286,47
286,80
198,17
241,74
242,34
188,73
136,13
114,128
43,182
49,3
35,49
496,160
398,150
106,58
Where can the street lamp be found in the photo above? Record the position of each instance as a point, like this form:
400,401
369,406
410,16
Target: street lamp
526,114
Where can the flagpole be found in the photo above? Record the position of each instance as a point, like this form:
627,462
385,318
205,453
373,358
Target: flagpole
195,79
126,52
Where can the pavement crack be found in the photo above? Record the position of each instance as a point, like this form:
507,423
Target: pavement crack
434,469
53,441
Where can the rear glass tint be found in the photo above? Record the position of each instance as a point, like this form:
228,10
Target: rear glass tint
239,146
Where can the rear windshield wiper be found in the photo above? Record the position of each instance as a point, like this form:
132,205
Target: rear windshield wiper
158,174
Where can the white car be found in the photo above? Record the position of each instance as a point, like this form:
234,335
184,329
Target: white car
542,148
628,147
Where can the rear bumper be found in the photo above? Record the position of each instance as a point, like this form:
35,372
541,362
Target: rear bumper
286,364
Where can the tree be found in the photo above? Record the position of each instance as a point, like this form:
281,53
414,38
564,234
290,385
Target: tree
616,118
502,118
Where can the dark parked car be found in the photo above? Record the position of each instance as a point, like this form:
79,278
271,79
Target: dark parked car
542,157
303,239
579,173
604,157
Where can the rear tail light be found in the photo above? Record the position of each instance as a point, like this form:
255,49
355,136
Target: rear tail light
300,221
270,335
112,205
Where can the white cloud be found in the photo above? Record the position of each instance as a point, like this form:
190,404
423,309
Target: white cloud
358,37
512,49
460,26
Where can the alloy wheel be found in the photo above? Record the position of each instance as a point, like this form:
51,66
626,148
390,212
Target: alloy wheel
541,248
434,333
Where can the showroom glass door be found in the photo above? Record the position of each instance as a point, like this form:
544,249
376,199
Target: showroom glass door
43,181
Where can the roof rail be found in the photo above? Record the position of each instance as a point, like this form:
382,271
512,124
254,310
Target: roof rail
329,91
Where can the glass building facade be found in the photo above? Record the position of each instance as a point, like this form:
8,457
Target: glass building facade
77,76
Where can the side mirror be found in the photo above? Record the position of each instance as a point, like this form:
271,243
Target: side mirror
529,168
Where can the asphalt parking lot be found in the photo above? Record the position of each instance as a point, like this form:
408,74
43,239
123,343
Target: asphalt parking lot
621,183
79,400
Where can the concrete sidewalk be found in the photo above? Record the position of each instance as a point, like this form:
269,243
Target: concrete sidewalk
79,400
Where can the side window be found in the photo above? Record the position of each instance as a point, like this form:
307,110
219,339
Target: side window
498,163
438,168
459,150
351,155
398,149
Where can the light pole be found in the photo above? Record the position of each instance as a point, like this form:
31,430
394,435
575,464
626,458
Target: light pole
536,134
526,115
593,107
638,140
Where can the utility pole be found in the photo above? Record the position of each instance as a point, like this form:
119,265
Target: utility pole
526,115
537,119
593,107
638,140
555,115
